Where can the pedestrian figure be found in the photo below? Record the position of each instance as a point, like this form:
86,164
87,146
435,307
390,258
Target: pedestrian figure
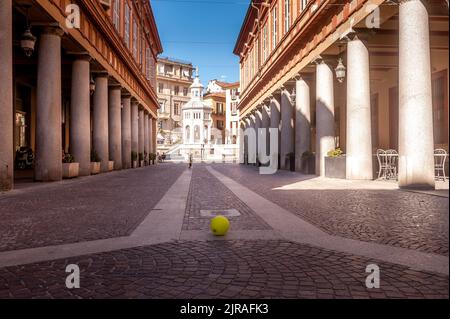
190,160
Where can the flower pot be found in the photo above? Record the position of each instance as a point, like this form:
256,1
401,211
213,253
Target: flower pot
110,166
70,170
308,165
141,163
335,167
135,165
95,168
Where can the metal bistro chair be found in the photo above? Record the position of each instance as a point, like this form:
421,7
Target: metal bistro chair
392,162
382,163
440,156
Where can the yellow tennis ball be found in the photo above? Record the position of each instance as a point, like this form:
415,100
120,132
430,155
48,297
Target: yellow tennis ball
219,225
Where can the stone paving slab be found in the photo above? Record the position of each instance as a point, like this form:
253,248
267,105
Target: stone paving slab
162,224
390,217
220,269
86,209
208,193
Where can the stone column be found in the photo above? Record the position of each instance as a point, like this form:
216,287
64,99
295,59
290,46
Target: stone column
258,125
6,97
48,166
287,128
141,132
115,126
126,132
154,133
416,143
265,122
359,128
135,127
146,134
80,115
101,143
325,131
275,106
150,134
302,121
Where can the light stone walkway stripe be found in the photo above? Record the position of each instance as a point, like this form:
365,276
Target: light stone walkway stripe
293,228
162,224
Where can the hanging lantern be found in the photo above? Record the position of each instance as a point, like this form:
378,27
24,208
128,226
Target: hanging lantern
27,42
340,71
92,86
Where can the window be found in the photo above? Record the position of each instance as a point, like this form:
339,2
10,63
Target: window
185,91
169,69
160,87
220,124
127,25
440,107
287,15
176,108
274,28
233,108
219,108
116,15
135,41
304,3
148,63
176,90
264,44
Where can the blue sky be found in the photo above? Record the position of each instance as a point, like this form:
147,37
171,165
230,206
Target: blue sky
203,32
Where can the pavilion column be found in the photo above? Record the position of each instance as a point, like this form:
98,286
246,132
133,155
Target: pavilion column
146,134
325,131
302,121
287,128
48,109
275,107
101,141
416,161
141,132
115,126
126,132
359,127
80,115
134,127
6,97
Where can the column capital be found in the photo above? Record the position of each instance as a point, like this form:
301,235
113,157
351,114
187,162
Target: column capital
52,30
297,77
100,74
84,56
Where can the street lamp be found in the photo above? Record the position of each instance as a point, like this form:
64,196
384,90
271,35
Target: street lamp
27,40
340,71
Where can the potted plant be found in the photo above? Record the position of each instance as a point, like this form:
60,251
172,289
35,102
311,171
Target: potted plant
134,158
152,158
146,159
95,163
290,161
335,164
141,160
70,169
308,163
110,166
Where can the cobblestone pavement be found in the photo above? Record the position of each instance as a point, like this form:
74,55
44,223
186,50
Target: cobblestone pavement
220,269
398,218
207,193
90,208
